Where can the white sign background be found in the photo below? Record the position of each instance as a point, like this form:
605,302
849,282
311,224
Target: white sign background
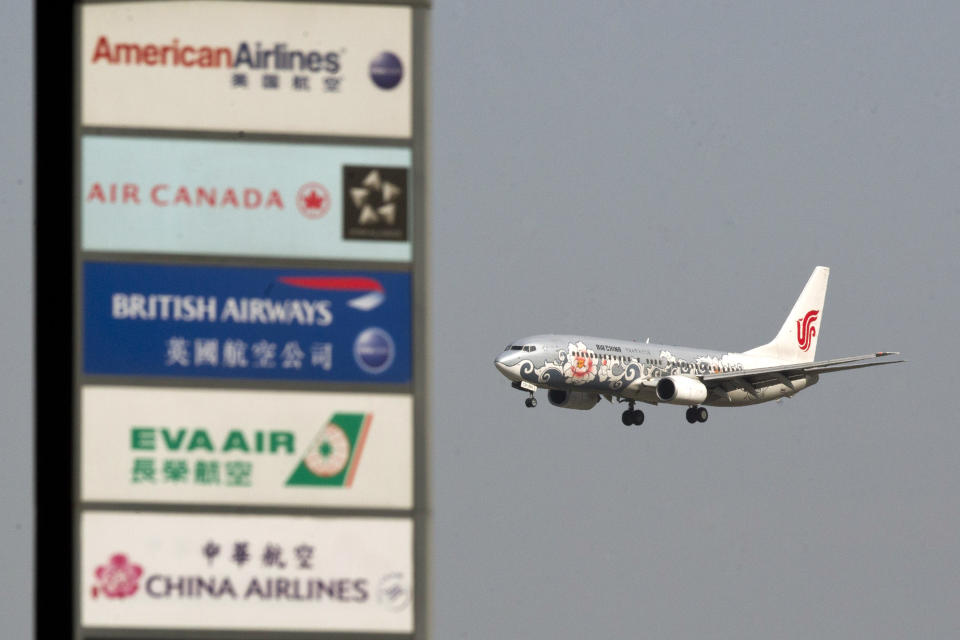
375,550
383,477
179,97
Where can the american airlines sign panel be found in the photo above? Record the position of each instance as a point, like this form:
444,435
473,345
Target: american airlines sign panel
330,69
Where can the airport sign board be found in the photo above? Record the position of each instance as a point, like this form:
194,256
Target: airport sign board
230,197
246,322
246,572
246,447
292,68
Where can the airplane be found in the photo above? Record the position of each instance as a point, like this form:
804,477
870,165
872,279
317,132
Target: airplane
578,370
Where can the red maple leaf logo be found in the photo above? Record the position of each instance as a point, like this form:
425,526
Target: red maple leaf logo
313,201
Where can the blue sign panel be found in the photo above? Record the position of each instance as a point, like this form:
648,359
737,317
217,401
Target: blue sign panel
259,323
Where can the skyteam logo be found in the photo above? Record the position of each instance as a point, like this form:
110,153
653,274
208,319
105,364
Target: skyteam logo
374,350
805,329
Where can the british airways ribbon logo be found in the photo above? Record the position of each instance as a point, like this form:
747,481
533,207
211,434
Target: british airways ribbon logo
372,291
805,329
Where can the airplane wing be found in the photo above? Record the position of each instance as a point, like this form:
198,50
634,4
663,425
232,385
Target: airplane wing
768,375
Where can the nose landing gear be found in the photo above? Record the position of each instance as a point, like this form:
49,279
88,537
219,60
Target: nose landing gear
523,385
697,414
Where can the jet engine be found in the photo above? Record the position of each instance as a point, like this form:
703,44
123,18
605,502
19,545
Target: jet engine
573,399
681,390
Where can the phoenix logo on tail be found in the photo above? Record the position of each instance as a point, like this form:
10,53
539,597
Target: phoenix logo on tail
806,330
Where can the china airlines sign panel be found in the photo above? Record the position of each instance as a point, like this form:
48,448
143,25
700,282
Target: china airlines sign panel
326,69
274,448
246,198
186,571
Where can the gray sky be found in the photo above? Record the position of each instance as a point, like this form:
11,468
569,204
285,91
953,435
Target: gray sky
16,322
645,169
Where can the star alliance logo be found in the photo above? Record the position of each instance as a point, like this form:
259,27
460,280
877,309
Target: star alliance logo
375,203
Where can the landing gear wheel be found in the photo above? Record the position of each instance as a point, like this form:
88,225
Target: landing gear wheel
530,402
637,417
701,414
691,415
627,418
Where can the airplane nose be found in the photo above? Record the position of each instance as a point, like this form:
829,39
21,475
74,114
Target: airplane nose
504,361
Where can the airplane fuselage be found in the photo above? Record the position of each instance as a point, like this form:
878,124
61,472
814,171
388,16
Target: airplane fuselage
578,370
628,369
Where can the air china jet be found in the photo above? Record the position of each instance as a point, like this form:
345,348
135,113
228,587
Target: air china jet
578,370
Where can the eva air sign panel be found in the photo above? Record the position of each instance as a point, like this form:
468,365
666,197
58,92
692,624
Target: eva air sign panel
156,195
335,69
257,323
273,448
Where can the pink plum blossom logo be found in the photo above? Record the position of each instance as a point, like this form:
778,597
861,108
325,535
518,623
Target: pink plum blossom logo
119,578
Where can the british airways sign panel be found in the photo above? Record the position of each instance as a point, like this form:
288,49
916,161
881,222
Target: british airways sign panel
157,195
331,69
257,323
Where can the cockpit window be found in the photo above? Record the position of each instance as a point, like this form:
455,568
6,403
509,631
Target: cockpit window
516,347
529,347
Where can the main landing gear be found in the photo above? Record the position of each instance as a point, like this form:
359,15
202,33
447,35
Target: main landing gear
632,416
696,414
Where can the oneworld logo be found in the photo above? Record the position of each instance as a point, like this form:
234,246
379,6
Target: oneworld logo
374,350
386,70
805,329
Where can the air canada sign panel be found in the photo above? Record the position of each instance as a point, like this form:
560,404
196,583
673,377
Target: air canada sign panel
250,66
185,571
161,195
